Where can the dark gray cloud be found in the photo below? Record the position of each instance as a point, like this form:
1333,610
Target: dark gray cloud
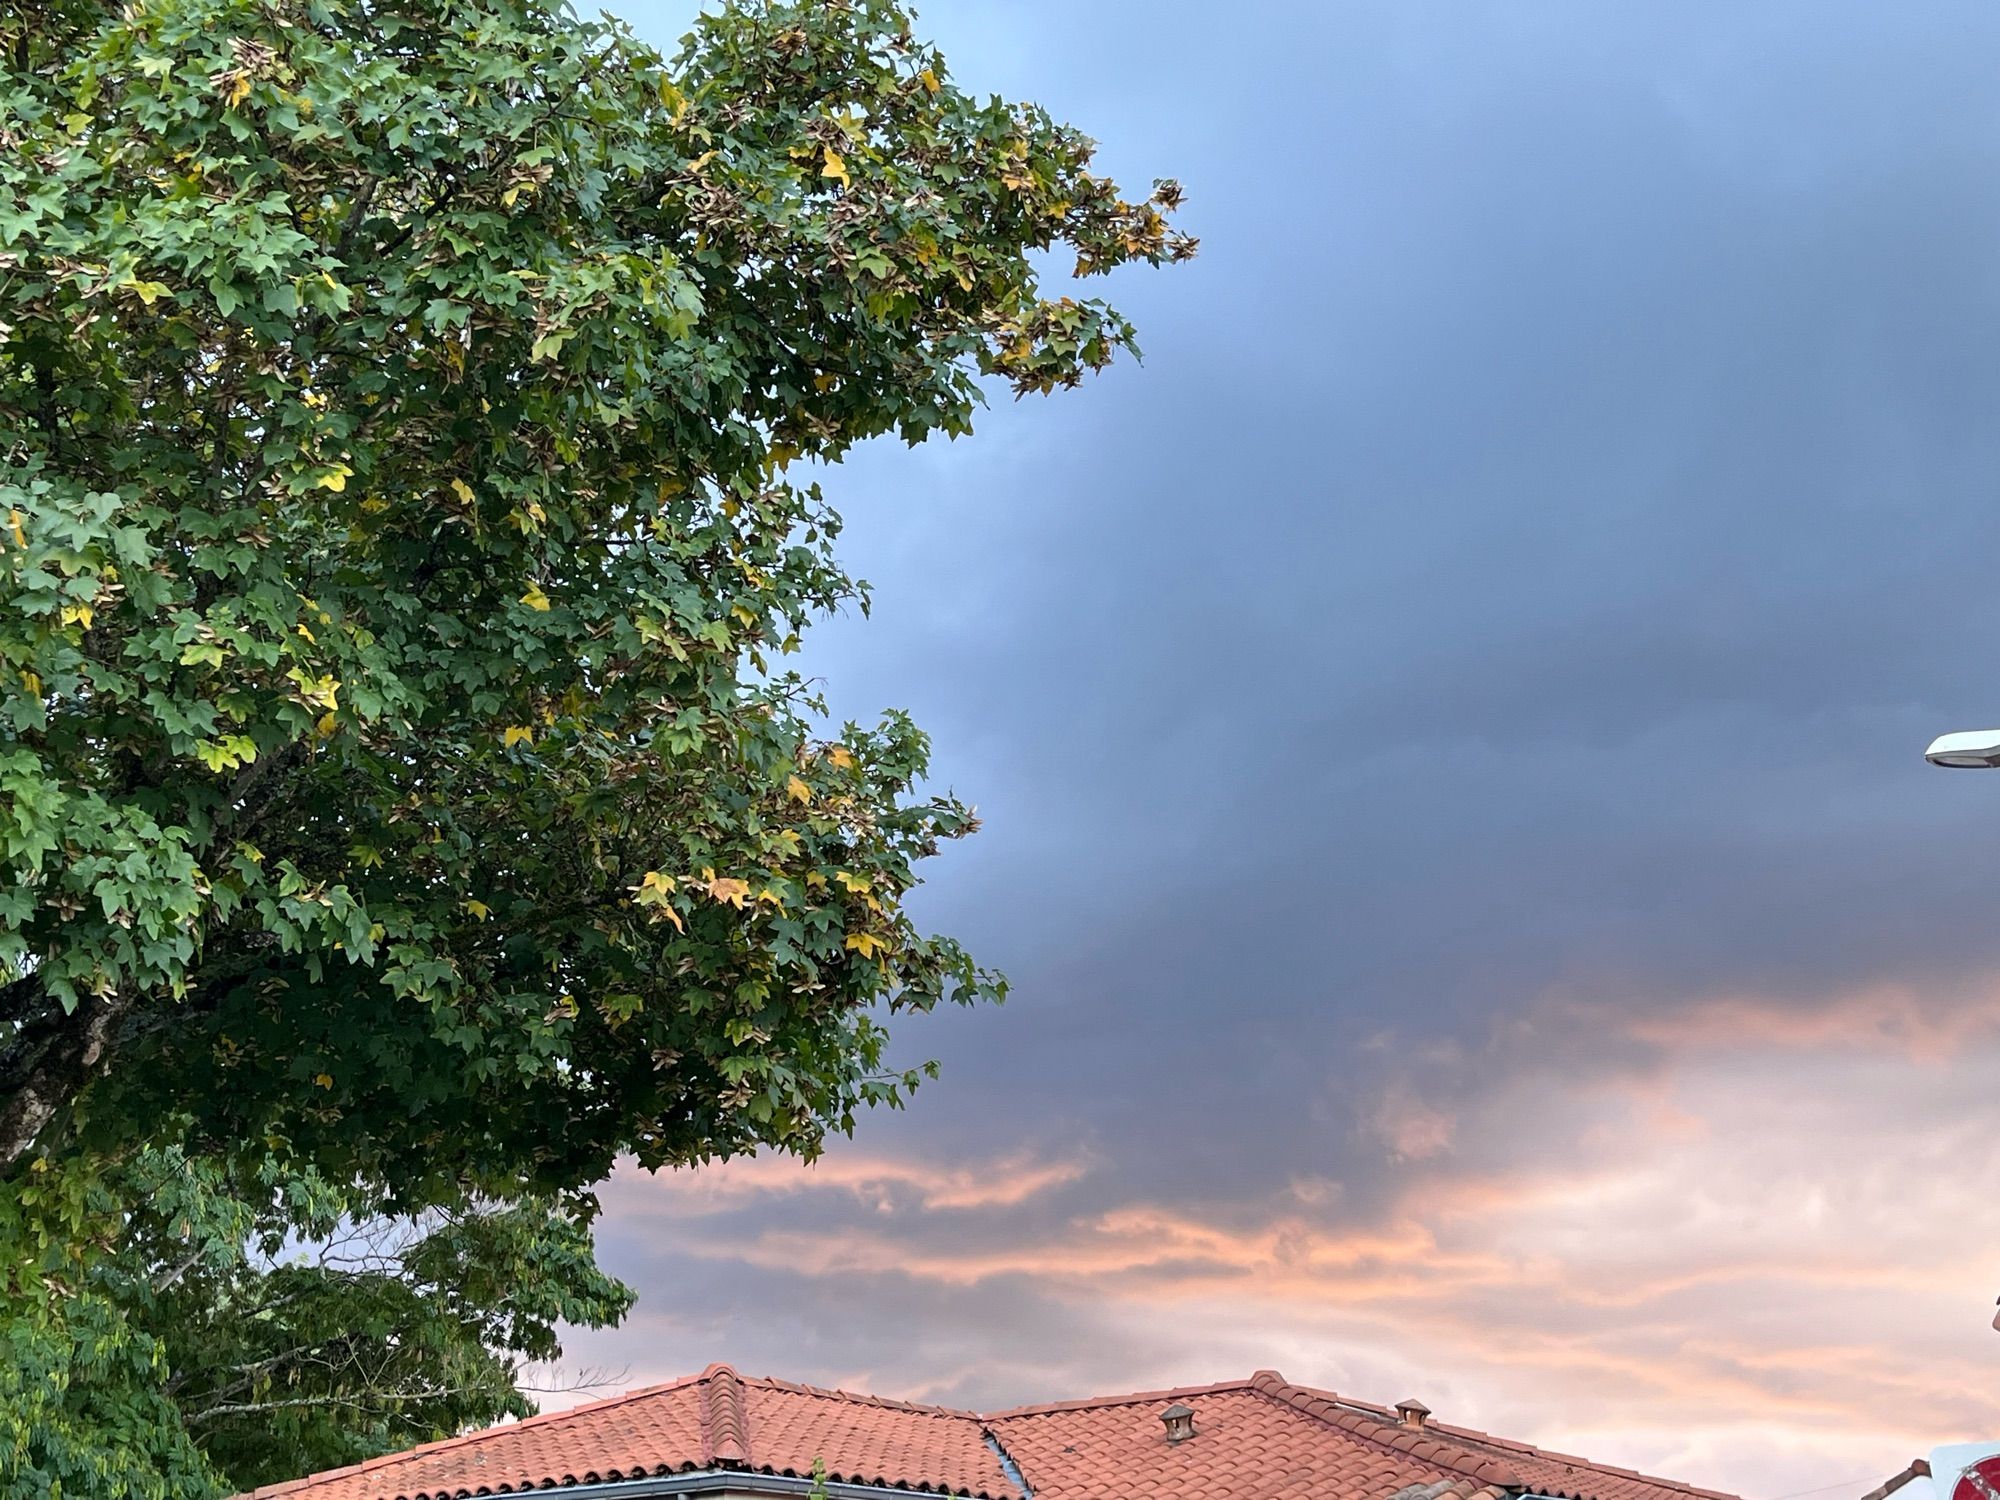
1507,605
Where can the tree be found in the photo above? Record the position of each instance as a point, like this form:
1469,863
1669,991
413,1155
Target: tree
400,789
247,1338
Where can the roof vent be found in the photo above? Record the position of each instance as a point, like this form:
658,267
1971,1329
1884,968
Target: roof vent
1179,1422
1413,1414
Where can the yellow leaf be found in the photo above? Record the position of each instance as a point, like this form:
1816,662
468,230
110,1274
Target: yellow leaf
324,1080
851,882
326,725
929,80
726,888
334,479
14,525
799,790
840,755
835,167
815,880
478,908
73,614
535,598
654,891
516,734
463,490
867,944
317,692
239,91
32,682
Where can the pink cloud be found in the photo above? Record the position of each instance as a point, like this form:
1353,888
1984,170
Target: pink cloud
1412,1129
1763,1263
1002,1182
1923,1027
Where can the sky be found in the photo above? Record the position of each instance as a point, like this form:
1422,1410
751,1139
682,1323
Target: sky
1449,729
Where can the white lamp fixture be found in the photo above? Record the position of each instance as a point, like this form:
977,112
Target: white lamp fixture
1969,749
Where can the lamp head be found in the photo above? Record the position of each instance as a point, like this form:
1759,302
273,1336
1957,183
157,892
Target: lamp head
1969,749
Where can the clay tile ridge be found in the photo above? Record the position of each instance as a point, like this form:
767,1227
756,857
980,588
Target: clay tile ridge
1455,1448
1424,1443
858,1398
725,1423
473,1439
1585,1465
1137,1398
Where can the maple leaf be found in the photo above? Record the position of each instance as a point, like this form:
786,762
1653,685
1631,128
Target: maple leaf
728,888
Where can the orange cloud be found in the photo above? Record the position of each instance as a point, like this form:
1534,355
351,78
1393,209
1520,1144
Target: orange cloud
1412,1129
1763,1263
1928,1028
880,1181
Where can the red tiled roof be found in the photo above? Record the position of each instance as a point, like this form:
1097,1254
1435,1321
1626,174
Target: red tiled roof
714,1420
1255,1439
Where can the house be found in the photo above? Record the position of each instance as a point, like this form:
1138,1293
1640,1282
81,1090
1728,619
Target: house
723,1436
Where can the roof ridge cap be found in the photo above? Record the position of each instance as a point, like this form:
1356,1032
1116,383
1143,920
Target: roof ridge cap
1574,1460
1324,1406
859,1398
1468,1440
468,1439
1135,1398
725,1420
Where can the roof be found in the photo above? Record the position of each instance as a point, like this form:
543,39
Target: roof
1257,1439
714,1420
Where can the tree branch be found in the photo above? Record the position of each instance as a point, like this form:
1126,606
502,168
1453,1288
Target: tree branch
48,1060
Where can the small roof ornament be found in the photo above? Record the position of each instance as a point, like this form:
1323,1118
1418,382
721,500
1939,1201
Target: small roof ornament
1179,1422
1413,1413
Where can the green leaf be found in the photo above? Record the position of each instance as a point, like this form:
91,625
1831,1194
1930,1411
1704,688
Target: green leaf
402,516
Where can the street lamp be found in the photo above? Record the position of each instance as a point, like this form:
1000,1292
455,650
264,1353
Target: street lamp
1969,749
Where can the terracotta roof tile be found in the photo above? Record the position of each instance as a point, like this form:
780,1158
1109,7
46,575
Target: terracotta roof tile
714,1420
1256,1439
1244,1445
1537,1469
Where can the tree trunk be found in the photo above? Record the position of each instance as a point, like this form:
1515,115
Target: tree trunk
45,1064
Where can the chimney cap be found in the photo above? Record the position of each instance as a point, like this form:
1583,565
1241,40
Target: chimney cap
1413,1412
1179,1422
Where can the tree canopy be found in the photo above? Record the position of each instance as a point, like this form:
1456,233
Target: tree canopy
404,807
